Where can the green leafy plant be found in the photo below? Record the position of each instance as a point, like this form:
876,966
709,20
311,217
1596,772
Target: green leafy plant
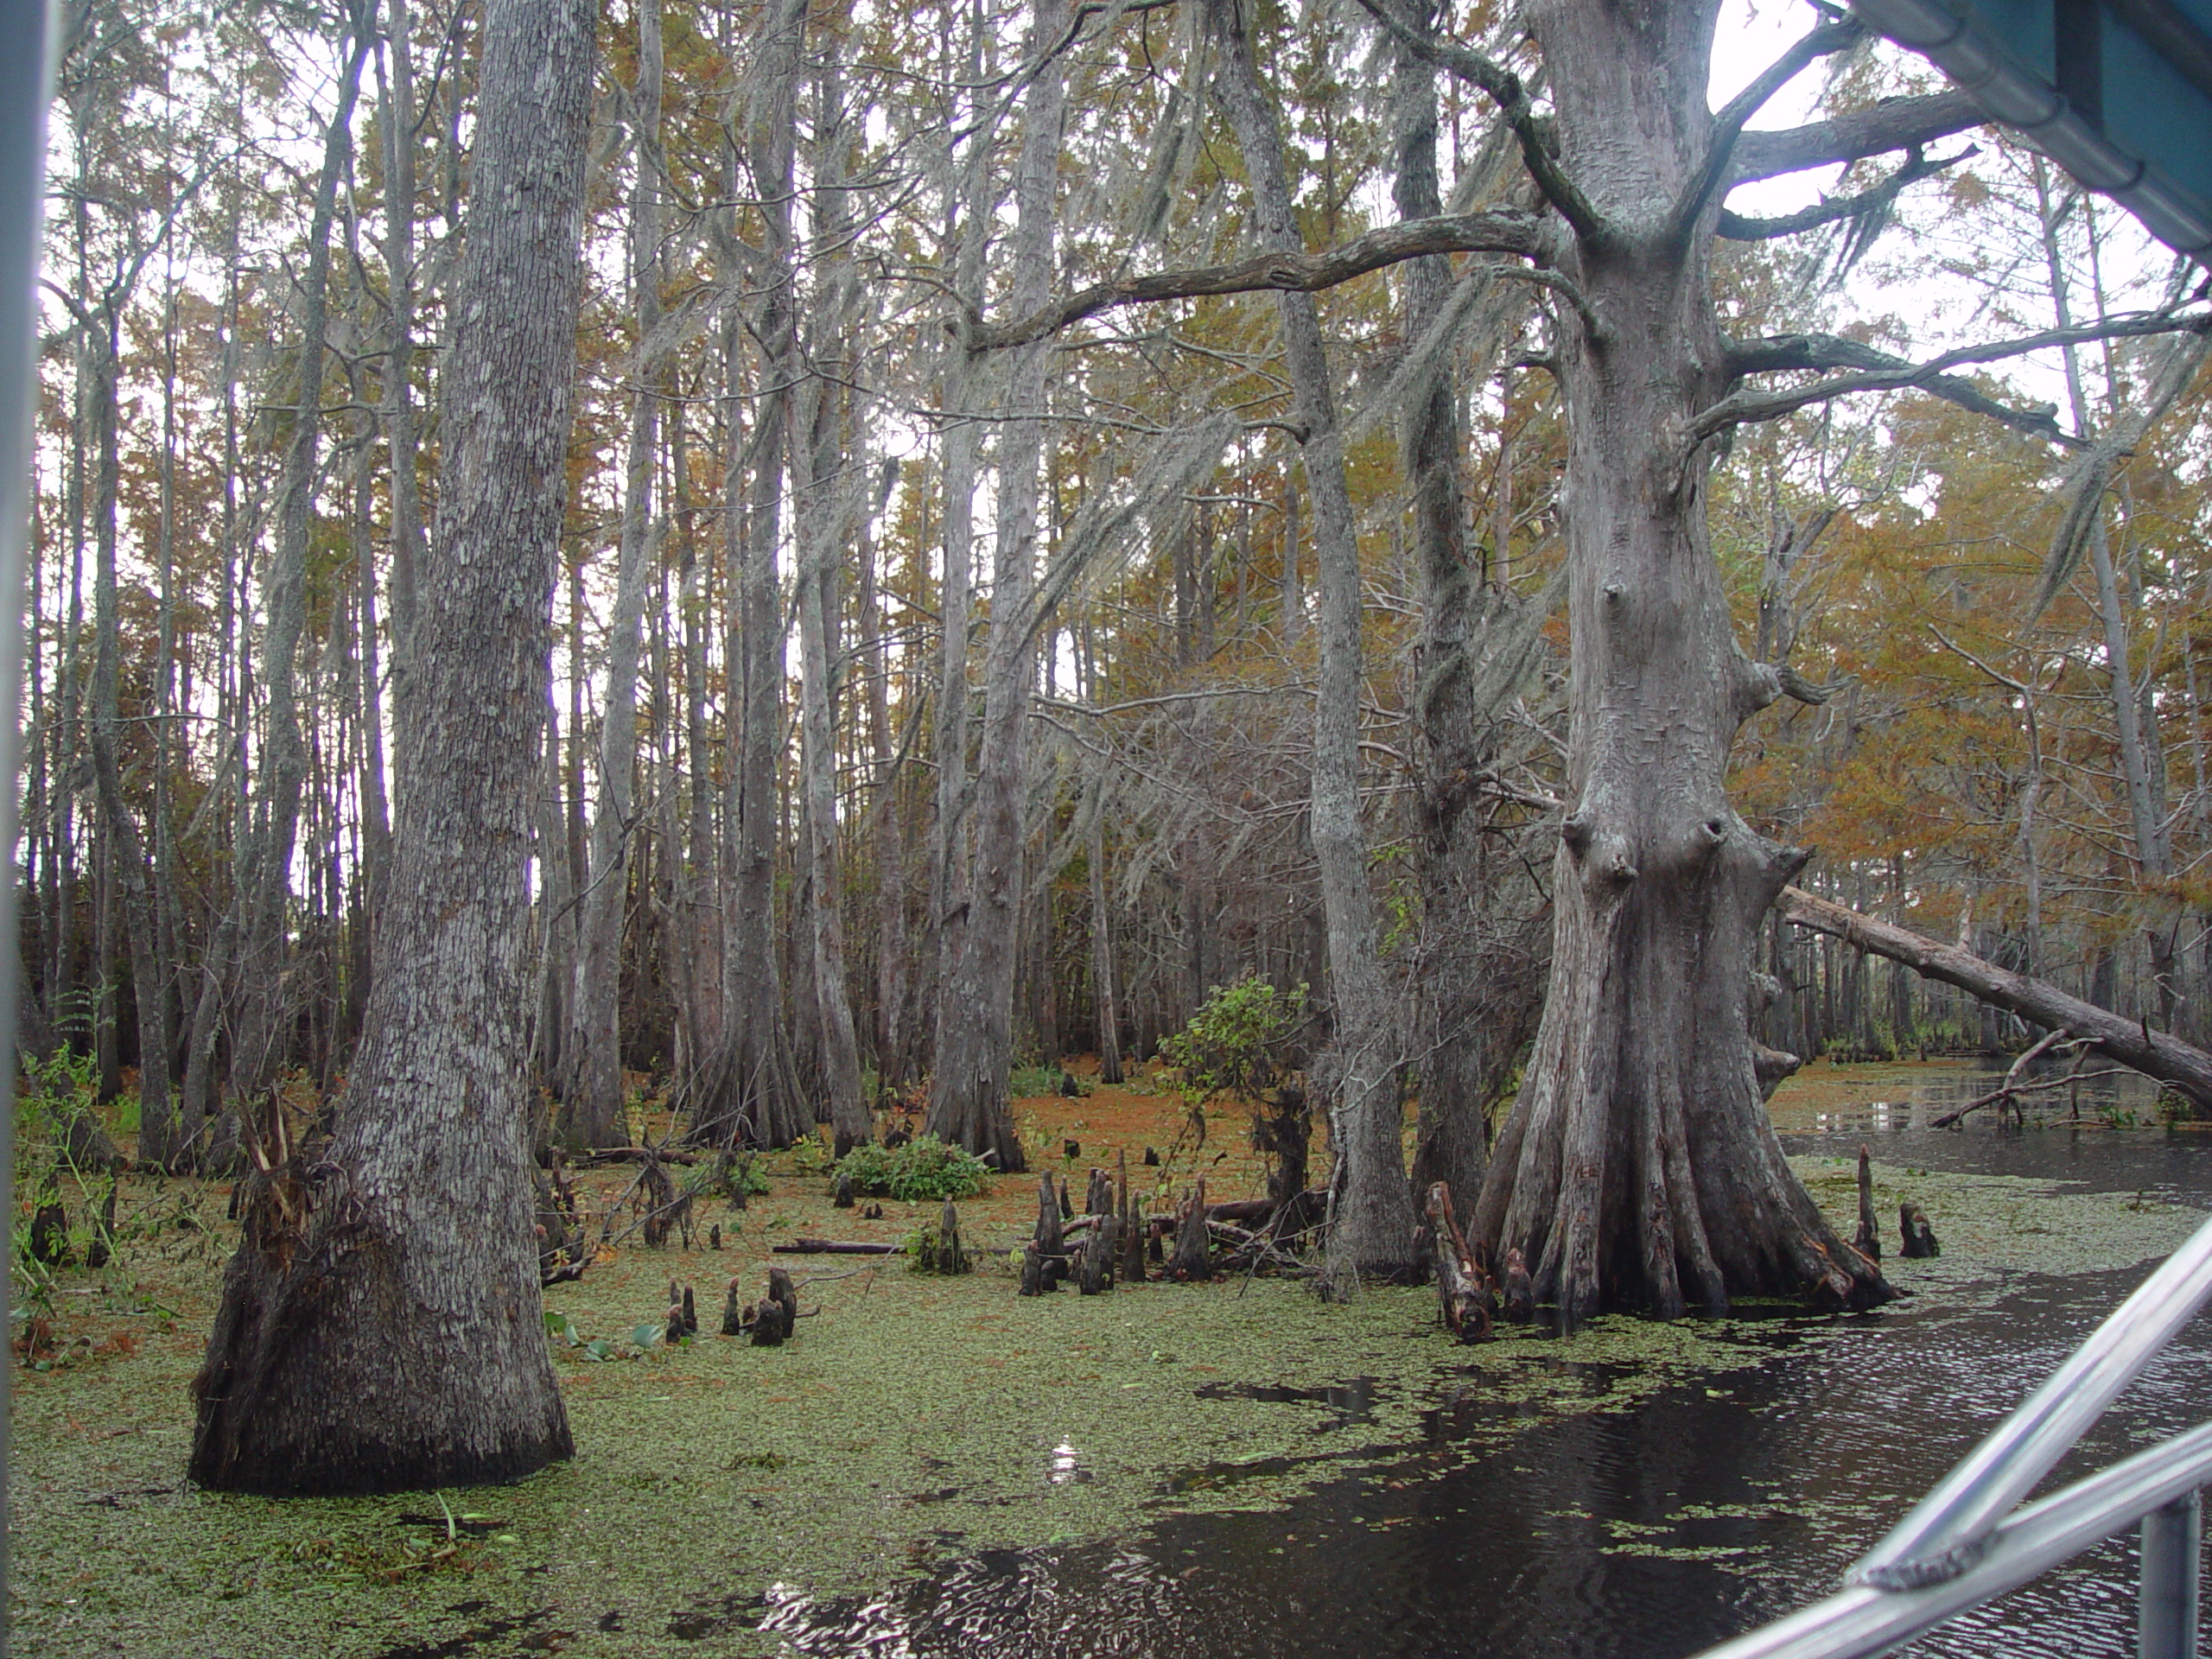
924,1170
734,1176
1233,1045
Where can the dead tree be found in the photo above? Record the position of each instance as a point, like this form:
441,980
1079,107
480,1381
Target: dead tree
2133,1043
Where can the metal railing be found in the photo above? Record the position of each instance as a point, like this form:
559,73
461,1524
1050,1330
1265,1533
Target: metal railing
1965,1542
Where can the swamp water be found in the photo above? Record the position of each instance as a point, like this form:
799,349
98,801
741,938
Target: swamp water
935,1468
1695,1510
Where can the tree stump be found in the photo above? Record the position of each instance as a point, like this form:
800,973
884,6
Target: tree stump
1132,1234
950,1258
1036,1281
1150,1159
714,1236
49,1235
734,1318
1520,1289
785,1296
1285,1134
1919,1236
1193,1244
844,1199
101,1245
657,1193
769,1329
1462,1287
1869,1242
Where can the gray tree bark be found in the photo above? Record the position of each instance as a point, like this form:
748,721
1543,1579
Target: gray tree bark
975,1040
748,1090
1372,1213
1639,1167
591,1098
381,1324
1458,1059
398,410
968,209
822,494
266,896
126,844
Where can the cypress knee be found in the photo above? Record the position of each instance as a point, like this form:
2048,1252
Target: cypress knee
1869,1242
1919,1236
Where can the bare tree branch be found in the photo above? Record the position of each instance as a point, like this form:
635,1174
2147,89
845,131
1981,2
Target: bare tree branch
2132,1042
1506,91
1738,228
1498,232
1880,371
1728,124
1894,124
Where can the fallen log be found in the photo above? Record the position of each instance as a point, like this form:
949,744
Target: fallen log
2133,1043
832,1247
636,1155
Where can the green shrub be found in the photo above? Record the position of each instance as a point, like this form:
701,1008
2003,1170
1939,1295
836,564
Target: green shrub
923,1170
1231,1045
920,1247
735,1176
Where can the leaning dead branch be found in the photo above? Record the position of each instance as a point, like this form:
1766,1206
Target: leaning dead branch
2133,1043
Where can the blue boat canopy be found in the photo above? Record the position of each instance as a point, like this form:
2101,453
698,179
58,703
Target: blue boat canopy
2116,91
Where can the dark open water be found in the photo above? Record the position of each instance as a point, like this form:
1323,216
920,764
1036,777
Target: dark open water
1506,1554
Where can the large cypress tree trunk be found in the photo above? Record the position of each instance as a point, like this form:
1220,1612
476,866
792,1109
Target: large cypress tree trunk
381,1324
1638,1166
975,1040
1372,1212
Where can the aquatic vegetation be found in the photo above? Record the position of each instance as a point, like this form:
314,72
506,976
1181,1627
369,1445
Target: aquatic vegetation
913,1421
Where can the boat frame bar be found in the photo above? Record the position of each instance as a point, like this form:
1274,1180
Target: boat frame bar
1966,1541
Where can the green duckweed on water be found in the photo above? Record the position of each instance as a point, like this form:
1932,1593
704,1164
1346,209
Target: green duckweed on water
914,1420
